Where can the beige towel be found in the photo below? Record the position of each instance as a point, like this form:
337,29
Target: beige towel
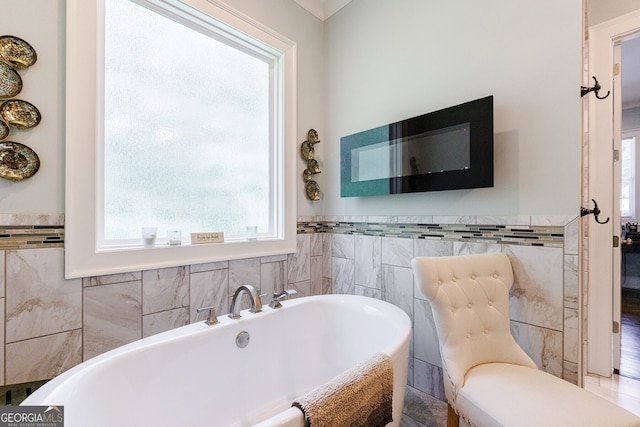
359,397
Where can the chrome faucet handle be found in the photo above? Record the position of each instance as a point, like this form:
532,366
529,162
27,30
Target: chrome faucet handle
212,319
277,297
257,304
286,294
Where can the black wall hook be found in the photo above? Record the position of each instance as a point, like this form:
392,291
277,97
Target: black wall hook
595,89
595,211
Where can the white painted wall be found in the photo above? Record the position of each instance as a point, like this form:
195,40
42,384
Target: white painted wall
390,60
40,23
382,61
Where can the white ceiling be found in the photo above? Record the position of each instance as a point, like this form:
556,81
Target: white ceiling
323,9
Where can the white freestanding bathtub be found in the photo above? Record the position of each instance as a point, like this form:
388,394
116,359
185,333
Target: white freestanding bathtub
196,375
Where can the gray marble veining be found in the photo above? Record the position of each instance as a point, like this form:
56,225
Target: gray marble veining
543,345
453,219
165,289
368,292
428,378
327,243
571,281
397,251
536,297
111,317
415,219
244,272
554,220
316,276
397,287
425,343
39,301
571,333
303,288
299,263
209,266
165,320
343,246
111,278
273,277
31,219
209,289
432,248
469,248
571,233
63,351
504,220
343,276
368,261
317,244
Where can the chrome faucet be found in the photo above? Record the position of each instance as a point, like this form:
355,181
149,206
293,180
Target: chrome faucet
256,302
275,302
212,319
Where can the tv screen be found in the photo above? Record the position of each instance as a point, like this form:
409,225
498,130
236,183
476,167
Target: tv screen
444,150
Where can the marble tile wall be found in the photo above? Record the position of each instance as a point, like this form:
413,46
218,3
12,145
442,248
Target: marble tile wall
543,300
52,324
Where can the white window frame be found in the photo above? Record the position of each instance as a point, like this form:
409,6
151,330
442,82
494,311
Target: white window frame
83,121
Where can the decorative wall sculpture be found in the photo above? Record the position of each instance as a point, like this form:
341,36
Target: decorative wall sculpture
312,190
17,161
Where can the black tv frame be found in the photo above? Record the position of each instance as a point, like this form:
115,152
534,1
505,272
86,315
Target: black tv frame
479,115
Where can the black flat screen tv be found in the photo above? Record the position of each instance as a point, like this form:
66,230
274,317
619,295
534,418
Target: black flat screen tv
448,149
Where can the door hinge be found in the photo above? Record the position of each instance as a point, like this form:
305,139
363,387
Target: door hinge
616,155
616,69
616,327
616,241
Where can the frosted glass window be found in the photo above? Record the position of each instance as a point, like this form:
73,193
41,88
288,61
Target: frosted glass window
181,115
627,175
187,129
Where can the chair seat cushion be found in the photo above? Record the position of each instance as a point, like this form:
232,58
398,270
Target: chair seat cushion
501,394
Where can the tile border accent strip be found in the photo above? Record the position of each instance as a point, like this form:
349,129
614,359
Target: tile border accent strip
31,236
523,235
47,231
29,231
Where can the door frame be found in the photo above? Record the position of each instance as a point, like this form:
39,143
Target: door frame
599,277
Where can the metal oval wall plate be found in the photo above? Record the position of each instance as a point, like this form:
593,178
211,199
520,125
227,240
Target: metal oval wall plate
5,131
312,190
20,114
16,52
10,81
17,161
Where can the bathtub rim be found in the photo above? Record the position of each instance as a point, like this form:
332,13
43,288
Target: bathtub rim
43,393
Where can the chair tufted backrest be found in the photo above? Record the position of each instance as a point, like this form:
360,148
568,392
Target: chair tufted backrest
469,297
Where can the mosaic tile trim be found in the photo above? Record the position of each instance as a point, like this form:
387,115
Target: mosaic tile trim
52,236
31,236
550,236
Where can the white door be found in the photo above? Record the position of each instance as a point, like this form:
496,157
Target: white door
604,138
616,211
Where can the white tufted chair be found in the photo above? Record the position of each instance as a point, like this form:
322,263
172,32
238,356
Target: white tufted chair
488,379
